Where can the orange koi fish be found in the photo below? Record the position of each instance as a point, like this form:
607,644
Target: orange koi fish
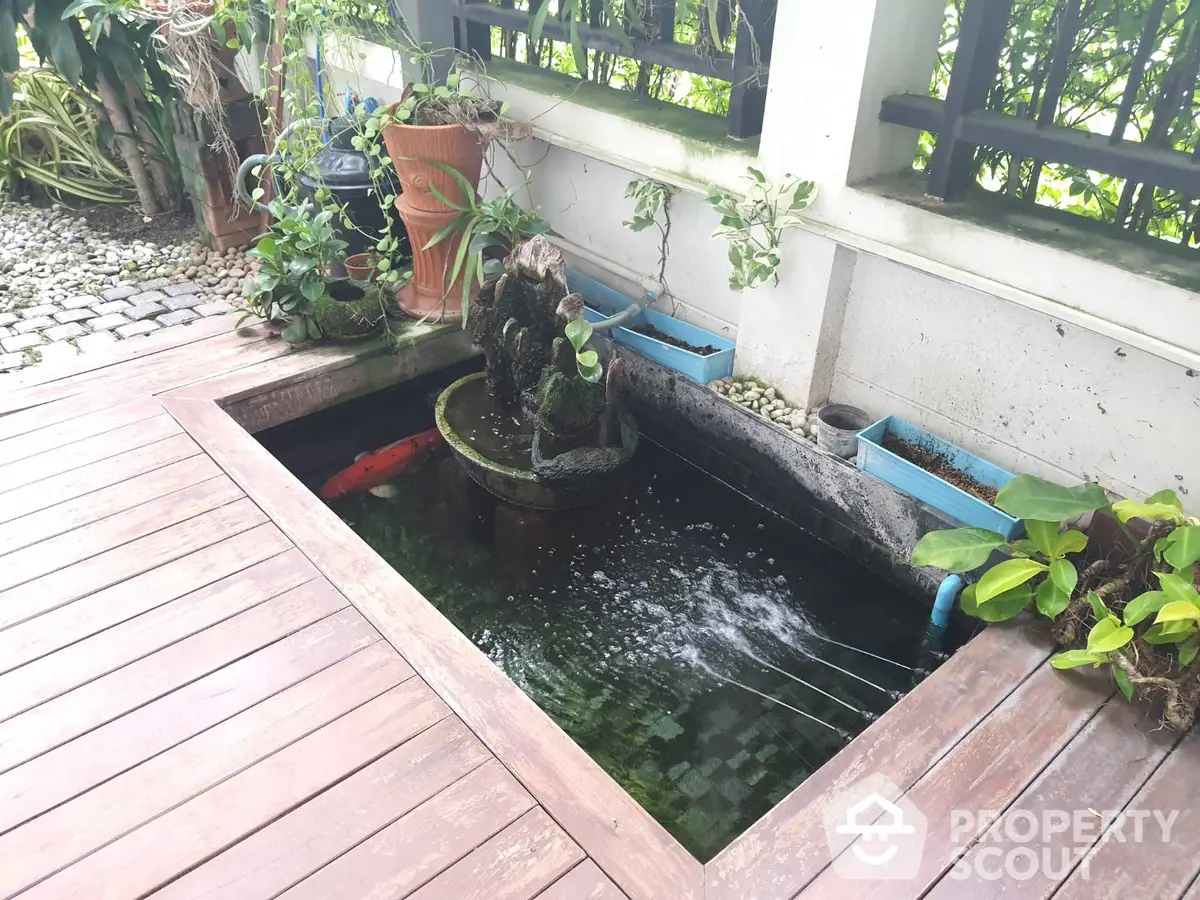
373,469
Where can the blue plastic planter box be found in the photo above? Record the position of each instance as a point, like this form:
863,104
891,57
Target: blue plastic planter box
603,302
927,487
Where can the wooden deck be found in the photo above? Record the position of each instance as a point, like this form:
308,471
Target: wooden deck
209,687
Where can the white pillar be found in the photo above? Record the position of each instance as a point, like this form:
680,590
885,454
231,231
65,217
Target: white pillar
822,123
429,22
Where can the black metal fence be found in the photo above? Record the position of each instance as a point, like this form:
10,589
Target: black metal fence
751,23
1139,124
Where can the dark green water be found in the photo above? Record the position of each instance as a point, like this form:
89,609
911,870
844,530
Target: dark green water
685,637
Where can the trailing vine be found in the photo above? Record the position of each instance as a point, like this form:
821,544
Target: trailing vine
652,207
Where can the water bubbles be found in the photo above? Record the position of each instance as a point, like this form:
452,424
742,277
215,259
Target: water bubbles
750,554
770,560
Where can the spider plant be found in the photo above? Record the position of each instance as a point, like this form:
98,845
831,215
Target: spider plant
498,223
52,138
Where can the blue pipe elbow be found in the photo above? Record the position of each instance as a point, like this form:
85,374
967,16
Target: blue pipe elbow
947,593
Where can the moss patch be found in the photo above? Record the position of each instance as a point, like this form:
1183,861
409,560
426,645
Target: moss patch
349,320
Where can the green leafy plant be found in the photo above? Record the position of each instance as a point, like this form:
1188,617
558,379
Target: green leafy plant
454,101
52,138
1118,611
579,332
572,14
483,225
754,223
1039,570
292,257
650,199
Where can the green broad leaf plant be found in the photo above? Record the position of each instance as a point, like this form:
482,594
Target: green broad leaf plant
1134,610
754,223
293,258
579,332
500,223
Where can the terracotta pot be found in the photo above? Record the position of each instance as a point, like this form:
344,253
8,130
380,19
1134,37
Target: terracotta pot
360,268
426,294
413,148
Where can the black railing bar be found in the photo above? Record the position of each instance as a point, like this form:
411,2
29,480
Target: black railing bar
1172,169
1147,44
1068,27
675,56
976,61
663,16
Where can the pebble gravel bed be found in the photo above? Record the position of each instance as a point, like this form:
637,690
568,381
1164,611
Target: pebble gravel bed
66,288
760,397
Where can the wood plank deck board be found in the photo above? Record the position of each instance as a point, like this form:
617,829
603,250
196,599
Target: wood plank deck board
44,524
76,429
32,683
114,808
154,854
111,696
111,567
66,457
179,502
425,842
516,864
1150,869
94,612
209,689
584,882
302,842
79,482
98,755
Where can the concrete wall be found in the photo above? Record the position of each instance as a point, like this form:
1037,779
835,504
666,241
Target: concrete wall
1025,390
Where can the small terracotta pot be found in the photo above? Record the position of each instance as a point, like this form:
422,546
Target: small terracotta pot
360,268
413,148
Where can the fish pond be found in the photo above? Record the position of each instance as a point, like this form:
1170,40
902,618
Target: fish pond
707,653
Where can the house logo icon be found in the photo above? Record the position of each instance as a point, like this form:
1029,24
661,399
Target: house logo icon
874,832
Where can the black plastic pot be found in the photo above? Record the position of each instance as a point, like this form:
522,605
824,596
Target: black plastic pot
346,173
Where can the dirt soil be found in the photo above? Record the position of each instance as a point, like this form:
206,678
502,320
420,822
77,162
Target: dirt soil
127,222
651,331
940,466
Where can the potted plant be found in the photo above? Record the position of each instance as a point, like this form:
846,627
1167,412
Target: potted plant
435,136
488,231
293,257
362,267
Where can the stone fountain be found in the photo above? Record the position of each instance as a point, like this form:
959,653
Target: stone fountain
531,428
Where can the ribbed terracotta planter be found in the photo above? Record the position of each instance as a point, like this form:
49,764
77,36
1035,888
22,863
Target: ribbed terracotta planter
413,148
426,294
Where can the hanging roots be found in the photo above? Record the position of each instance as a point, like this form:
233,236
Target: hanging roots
187,31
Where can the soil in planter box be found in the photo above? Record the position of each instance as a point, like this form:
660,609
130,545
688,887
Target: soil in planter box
939,465
650,331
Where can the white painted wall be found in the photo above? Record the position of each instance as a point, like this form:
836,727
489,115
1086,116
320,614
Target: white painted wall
1003,382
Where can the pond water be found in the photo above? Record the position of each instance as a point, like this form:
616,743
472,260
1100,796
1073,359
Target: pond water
708,654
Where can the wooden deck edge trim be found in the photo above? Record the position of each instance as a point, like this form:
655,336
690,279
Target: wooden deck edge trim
629,845
766,853
279,390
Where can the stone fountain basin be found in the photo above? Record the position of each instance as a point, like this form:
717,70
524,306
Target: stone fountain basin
589,481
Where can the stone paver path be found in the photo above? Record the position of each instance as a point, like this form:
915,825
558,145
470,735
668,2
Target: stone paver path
66,289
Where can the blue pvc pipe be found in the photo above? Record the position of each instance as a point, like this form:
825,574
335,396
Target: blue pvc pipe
947,593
